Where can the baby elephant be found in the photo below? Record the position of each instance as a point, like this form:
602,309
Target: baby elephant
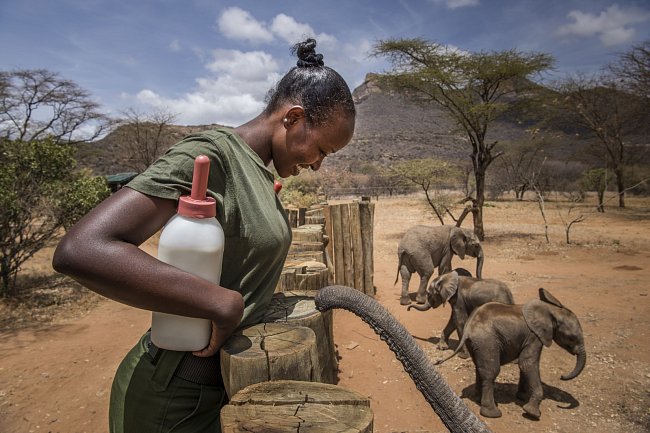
497,334
464,294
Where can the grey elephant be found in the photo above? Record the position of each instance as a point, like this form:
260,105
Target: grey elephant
464,294
451,409
497,334
424,248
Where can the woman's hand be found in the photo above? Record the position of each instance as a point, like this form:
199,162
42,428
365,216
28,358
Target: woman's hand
217,339
233,304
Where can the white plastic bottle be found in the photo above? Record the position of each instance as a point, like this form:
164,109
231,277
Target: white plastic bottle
192,240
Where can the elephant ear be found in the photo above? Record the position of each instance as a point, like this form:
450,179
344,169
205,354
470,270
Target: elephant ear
546,296
449,286
539,320
458,242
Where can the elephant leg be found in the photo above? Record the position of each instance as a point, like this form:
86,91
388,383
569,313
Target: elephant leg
529,369
523,387
405,274
443,344
487,372
421,297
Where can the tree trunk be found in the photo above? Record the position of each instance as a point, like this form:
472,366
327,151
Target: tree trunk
477,211
620,186
453,412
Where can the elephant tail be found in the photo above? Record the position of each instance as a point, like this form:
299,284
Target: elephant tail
453,412
399,265
461,343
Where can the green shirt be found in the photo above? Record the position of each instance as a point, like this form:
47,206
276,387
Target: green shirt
256,227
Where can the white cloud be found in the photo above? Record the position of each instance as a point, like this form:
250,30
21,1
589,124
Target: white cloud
231,94
454,4
287,28
175,46
612,26
236,23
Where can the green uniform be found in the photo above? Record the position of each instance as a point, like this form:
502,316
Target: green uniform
146,395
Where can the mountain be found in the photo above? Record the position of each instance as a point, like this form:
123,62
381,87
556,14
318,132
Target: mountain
389,127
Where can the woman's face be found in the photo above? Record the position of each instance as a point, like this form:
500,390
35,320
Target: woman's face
306,147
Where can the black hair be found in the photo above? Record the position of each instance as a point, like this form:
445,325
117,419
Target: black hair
319,89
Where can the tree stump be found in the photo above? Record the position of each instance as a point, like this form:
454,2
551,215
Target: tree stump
269,351
291,406
297,308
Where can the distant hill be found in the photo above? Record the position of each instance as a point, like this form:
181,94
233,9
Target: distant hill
390,127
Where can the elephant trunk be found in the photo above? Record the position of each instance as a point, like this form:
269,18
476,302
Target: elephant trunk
424,307
581,360
453,412
479,263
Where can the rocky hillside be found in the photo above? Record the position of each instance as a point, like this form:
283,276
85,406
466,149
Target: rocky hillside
390,127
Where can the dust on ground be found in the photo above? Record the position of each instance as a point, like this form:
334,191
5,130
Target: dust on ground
61,345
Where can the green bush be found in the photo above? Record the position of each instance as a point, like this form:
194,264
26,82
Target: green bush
39,190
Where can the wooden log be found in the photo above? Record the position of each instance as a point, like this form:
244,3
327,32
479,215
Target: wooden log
304,256
357,247
347,246
367,221
269,351
308,233
297,308
293,407
300,246
287,280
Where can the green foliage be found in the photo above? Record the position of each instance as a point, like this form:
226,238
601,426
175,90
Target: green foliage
79,196
597,179
35,180
299,191
433,176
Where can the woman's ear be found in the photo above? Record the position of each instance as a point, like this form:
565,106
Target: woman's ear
539,320
293,115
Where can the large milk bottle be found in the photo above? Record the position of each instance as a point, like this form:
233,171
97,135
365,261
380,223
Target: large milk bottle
192,240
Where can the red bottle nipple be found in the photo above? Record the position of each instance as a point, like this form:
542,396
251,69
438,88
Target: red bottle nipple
197,205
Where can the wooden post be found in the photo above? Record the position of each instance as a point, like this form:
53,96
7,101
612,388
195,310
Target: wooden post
348,257
286,406
367,222
297,308
337,240
357,247
269,351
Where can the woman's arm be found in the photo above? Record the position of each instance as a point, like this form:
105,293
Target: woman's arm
101,252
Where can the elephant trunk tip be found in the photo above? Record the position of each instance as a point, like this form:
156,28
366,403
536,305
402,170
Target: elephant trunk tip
581,359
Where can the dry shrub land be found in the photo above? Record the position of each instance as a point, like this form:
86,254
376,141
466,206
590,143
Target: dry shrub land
60,348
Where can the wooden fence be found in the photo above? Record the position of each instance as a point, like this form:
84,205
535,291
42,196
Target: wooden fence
335,242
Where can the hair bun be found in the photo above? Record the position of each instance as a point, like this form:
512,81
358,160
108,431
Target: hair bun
307,57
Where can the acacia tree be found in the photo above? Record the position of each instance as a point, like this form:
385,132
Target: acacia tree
633,69
145,137
473,88
433,176
614,118
37,103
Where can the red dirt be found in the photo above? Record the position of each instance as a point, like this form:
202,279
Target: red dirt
57,362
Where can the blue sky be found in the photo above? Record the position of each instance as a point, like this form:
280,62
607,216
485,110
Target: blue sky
212,61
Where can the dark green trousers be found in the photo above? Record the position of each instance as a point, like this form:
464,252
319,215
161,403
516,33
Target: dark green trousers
146,397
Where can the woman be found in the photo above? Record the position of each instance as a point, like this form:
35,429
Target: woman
310,114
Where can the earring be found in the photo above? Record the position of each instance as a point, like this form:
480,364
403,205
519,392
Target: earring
285,121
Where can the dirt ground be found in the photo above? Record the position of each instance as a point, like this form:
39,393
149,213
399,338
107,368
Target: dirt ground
58,353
